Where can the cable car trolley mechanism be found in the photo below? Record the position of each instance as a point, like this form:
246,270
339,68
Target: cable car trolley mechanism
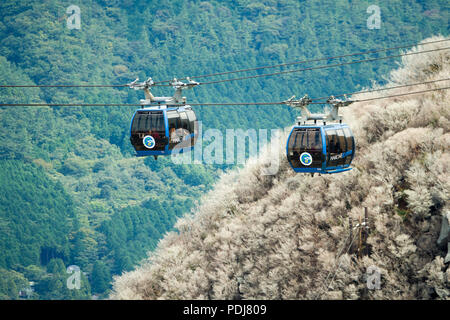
163,125
320,148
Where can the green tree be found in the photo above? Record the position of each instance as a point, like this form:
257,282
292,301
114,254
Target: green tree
56,267
101,277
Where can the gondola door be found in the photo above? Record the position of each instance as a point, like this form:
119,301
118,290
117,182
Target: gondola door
305,149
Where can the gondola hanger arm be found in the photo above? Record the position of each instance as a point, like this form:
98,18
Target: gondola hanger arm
177,98
303,104
335,105
179,87
332,115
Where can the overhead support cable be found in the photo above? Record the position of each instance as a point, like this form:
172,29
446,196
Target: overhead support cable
323,67
66,86
225,103
168,83
383,89
308,61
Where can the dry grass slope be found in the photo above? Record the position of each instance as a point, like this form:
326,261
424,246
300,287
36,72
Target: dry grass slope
280,237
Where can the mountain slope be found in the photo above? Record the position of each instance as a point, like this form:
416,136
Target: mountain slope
281,236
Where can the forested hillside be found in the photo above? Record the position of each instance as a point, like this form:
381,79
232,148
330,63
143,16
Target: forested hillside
288,236
72,191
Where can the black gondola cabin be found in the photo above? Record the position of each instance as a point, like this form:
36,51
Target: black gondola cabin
163,130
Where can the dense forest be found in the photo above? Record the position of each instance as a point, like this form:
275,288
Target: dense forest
72,192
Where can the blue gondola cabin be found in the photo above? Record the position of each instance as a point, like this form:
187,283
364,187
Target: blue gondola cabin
320,148
163,130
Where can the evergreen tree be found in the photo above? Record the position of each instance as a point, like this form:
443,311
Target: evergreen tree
100,277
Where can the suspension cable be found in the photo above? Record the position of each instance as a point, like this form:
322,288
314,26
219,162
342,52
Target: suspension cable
221,104
66,86
70,105
382,89
161,83
323,67
340,95
403,94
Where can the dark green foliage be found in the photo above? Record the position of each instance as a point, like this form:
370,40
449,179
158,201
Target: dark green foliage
56,266
133,231
55,284
11,282
36,215
100,277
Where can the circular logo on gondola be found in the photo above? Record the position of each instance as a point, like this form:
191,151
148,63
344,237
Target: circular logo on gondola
305,159
149,142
